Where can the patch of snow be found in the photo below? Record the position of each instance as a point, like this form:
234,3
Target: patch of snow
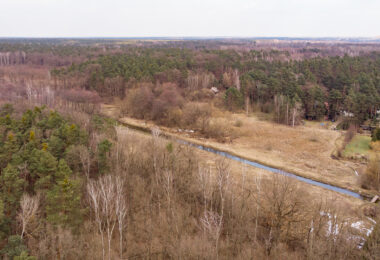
372,220
311,226
330,230
185,130
360,226
357,224
369,231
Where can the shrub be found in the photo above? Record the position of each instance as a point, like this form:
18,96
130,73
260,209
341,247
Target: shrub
174,117
233,99
238,123
198,95
168,98
218,129
197,115
139,102
376,135
14,247
344,125
371,178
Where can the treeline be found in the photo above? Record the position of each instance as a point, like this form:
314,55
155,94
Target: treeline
269,80
254,80
322,86
104,192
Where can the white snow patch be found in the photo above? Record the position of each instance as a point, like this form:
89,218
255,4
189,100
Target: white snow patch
372,220
357,224
331,230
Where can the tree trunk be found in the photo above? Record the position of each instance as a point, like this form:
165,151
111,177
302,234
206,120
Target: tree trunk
247,104
287,112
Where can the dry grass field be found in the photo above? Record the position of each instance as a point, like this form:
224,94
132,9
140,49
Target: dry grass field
302,150
305,150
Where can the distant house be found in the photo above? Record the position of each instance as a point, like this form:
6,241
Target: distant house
348,114
214,90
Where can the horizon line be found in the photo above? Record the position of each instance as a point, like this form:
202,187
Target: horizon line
201,37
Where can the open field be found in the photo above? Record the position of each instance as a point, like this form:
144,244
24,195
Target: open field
304,150
359,145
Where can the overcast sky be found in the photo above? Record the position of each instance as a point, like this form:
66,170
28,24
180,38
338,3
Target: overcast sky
245,18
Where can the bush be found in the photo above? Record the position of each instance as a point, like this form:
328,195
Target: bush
139,102
218,129
174,117
233,99
238,123
371,178
197,115
344,125
168,98
376,135
14,247
199,95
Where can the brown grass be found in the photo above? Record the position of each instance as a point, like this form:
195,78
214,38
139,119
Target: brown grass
304,150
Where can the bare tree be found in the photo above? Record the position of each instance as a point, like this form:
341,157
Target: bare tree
85,159
204,180
282,206
212,223
123,136
108,203
197,81
295,114
223,181
258,188
95,200
237,79
156,132
121,210
29,91
156,142
28,209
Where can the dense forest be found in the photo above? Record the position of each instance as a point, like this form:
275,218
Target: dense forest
292,90
291,80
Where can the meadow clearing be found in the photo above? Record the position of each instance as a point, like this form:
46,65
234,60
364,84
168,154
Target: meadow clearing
305,150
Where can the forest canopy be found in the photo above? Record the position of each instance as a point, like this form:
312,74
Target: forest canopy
321,86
